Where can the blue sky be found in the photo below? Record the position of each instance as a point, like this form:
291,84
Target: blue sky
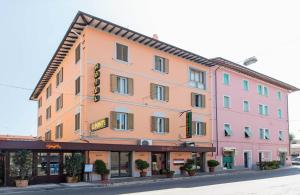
31,31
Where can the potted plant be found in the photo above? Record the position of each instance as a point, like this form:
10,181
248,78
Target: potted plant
73,166
142,165
212,164
22,166
189,167
169,173
100,168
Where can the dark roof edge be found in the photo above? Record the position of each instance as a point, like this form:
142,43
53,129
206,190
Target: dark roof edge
242,69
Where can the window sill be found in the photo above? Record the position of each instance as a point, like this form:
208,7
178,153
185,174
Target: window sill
161,72
121,61
161,101
123,94
199,135
123,130
160,133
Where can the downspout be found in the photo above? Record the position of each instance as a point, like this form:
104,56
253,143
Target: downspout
288,123
216,110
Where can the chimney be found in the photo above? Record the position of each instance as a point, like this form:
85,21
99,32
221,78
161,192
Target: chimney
155,36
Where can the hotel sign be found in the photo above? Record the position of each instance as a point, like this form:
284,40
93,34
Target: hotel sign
189,132
97,68
53,146
100,124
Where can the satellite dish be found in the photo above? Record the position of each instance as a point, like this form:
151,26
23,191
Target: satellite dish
250,61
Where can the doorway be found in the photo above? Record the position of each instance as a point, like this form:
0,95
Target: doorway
120,164
2,169
228,159
248,159
159,162
282,158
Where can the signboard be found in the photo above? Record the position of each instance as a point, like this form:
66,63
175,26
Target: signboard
97,68
178,161
100,124
88,168
189,132
53,146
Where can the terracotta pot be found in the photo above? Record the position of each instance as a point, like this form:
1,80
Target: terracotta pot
104,177
192,173
21,183
71,179
143,174
211,169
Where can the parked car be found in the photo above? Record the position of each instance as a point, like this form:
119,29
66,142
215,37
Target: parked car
296,161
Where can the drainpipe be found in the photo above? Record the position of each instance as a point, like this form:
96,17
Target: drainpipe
216,110
288,123
81,80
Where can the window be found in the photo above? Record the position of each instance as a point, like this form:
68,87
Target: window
247,132
77,53
265,156
245,85
122,52
246,106
121,85
198,100
264,134
226,102
59,102
77,86
281,136
39,121
279,97
227,130
121,120
197,79
159,92
40,102
266,92
48,91
159,124
59,77
279,113
260,89
77,121
263,110
48,112
59,131
48,136
226,78
161,64
200,128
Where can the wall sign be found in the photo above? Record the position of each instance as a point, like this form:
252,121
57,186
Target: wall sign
100,124
178,161
53,146
88,168
97,68
189,132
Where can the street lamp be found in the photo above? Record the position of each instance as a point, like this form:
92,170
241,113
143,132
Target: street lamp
250,61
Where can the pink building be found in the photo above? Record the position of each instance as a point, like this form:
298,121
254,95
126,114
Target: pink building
251,117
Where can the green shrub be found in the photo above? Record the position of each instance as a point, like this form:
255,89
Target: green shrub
141,164
212,163
100,167
74,165
22,164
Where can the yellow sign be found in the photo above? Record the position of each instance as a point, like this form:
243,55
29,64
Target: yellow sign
53,146
100,124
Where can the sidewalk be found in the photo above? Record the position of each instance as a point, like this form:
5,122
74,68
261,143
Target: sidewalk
122,181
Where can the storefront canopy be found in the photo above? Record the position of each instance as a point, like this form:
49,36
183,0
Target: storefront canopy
76,146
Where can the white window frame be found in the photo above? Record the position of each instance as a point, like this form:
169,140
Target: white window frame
262,89
281,135
229,135
122,85
226,73
198,98
199,83
265,112
121,121
279,95
128,54
279,113
266,151
265,91
247,85
160,92
250,131
199,131
264,133
229,103
160,125
162,64
248,108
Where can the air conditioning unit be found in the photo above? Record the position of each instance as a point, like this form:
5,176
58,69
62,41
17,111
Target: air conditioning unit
145,142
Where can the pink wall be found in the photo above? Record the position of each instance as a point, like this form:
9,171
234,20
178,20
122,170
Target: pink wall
238,119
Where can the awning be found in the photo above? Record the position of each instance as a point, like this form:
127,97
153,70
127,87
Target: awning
283,150
229,149
77,146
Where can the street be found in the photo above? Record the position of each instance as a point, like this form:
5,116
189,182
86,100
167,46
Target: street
285,181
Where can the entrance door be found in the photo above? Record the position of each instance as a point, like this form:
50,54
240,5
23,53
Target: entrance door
159,162
120,164
228,160
282,158
2,169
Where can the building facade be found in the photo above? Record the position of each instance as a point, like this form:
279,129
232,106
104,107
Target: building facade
251,117
110,85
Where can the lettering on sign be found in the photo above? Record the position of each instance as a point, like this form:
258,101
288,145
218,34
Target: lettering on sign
97,68
100,124
53,146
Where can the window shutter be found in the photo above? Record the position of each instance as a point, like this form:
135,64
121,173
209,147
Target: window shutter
61,99
61,75
166,66
130,86
194,128
193,99
113,83
118,51
203,126
130,121
166,93
203,100
153,123
156,60
113,120
166,125
152,91
125,53
61,130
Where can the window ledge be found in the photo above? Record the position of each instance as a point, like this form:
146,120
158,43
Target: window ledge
160,133
163,73
122,130
121,61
